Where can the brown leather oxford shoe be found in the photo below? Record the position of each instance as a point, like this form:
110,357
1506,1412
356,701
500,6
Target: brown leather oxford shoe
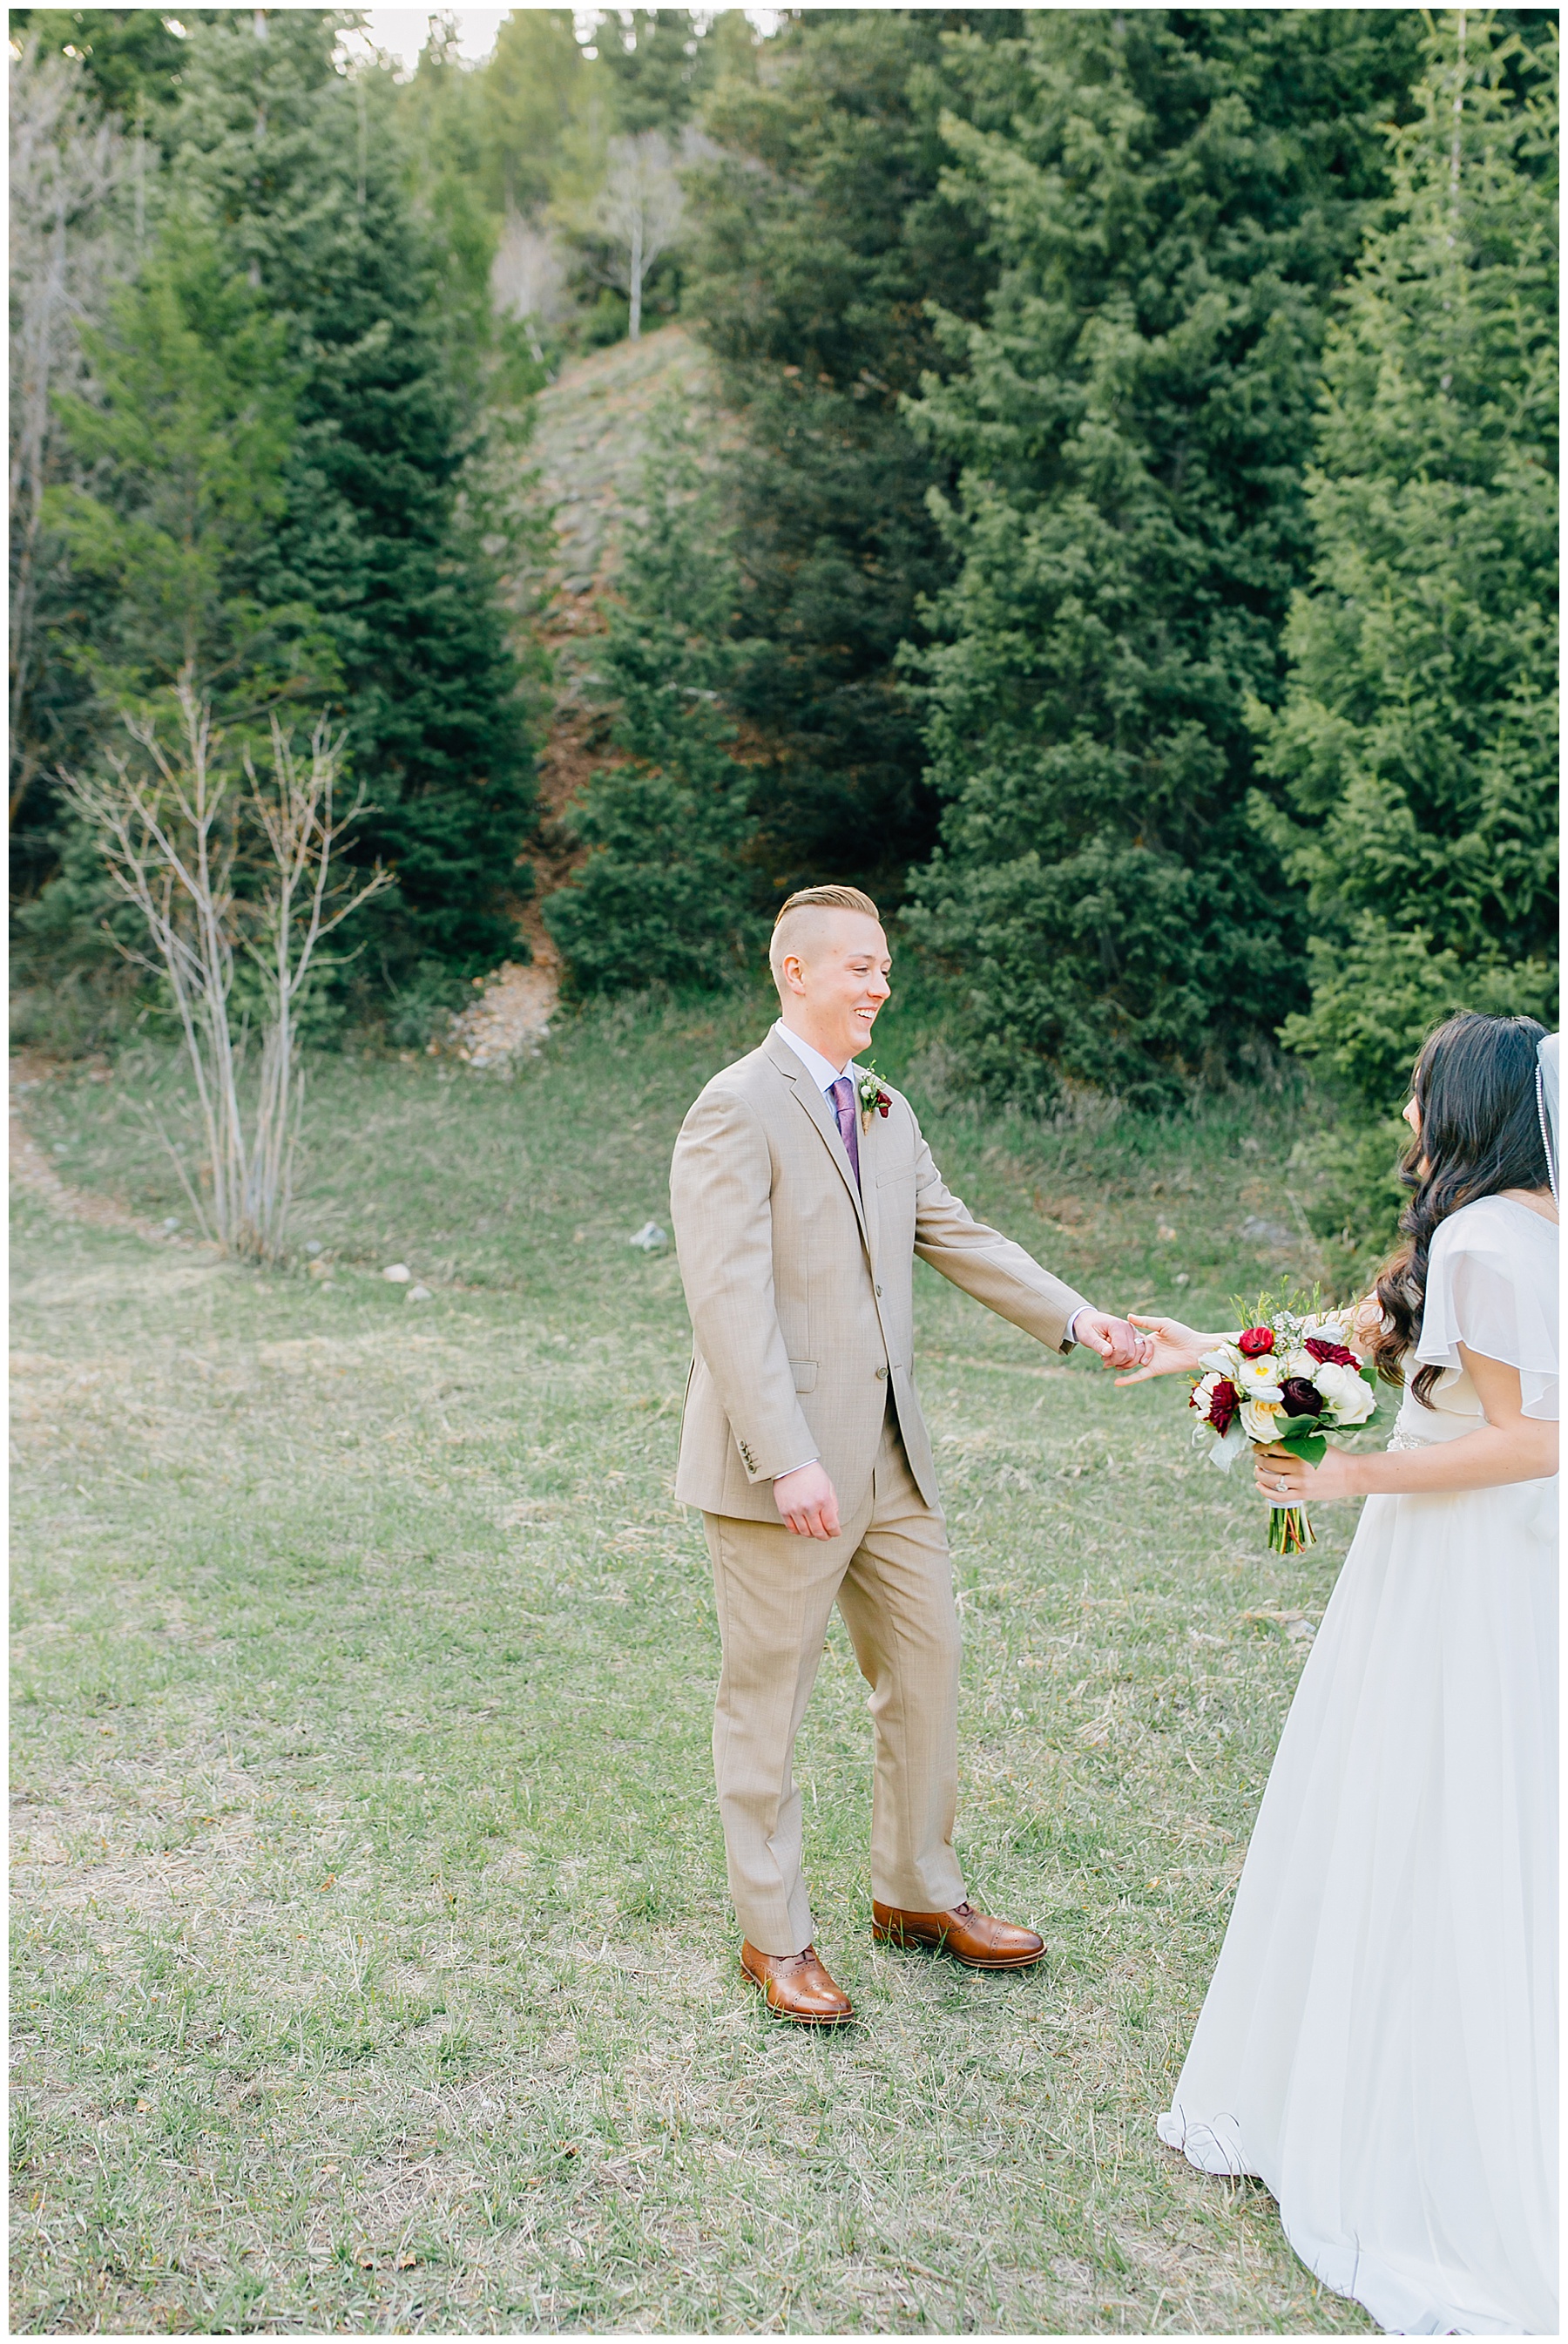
797,1987
972,1937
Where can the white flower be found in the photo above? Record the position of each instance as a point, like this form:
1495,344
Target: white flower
1223,1361
1259,1420
1224,1451
1345,1391
1254,1378
1203,1393
1298,1363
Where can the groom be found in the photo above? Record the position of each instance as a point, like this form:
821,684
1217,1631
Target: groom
801,1191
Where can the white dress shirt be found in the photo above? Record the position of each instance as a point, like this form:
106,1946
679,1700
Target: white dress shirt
825,1074
822,1071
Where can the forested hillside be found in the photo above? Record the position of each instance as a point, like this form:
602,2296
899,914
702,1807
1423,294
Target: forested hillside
1129,545
256,476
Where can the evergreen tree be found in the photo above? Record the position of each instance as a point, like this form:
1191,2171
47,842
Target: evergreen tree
1417,744
659,65
133,59
178,459
664,896
1169,208
298,166
72,183
440,127
530,95
180,453
821,235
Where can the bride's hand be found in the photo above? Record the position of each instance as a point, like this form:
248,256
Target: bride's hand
1287,1479
1177,1349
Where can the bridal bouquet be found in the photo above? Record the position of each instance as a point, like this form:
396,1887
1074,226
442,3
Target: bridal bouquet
1286,1380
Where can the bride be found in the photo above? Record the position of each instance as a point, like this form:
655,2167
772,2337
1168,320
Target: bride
1379,2040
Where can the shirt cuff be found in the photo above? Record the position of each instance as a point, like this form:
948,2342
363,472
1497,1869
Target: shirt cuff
1071,1326
797,1469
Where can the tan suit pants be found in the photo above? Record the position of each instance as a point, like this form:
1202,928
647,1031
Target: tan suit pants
889,1574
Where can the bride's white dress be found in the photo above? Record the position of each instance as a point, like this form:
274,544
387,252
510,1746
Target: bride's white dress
1379,2040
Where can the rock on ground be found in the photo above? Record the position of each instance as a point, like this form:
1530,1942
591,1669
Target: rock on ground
511,1016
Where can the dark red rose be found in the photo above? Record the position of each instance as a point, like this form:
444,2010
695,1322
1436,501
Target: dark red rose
1331,1354
1223,1402
1302,1398
1255,1342
883,1103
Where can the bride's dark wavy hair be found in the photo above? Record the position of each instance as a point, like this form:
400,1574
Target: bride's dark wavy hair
1475,1084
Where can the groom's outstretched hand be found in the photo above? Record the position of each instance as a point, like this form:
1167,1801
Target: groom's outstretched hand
1119,1344
808,1501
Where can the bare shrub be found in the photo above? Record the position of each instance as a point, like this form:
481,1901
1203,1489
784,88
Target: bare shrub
529,276
639,212
226,873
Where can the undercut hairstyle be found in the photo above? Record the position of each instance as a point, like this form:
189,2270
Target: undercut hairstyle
812,899
1475,1084
832,899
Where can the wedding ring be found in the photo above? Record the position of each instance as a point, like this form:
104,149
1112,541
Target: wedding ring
1279,1484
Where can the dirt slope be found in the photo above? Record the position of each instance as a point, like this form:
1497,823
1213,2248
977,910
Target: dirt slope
589,439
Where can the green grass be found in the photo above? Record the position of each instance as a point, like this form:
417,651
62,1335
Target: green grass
374,1968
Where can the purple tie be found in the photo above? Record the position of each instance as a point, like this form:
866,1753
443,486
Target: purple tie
842,1095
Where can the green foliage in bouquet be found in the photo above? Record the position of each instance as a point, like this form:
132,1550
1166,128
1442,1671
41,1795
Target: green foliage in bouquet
1303,1437
1274,1384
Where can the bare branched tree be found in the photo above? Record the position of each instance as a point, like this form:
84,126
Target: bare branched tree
68,169
529,276
639,212
223,871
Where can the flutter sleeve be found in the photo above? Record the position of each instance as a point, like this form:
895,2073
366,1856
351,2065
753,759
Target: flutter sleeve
1494,1289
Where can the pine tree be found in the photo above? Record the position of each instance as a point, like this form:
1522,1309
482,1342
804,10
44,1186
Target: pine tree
657,68
439,123
72,187
1418,742
298,167
821,236
664,896
180,453
131,58
530,95
1169,208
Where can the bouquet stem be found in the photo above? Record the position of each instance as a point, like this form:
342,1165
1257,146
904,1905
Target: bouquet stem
1290,1532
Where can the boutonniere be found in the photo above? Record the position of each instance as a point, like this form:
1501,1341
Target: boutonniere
874,1099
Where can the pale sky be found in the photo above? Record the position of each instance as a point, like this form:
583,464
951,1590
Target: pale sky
401,31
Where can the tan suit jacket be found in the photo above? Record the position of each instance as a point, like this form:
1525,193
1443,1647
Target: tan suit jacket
800,1287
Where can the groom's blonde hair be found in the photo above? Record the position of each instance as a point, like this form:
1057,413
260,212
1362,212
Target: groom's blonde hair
790,930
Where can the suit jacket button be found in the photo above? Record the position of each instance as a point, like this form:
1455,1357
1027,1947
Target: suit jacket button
878,1293
881,1375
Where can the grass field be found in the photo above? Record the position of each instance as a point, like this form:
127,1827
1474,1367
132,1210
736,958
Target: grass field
374,1968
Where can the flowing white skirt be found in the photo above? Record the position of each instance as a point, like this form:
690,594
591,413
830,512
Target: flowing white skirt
1378,2041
